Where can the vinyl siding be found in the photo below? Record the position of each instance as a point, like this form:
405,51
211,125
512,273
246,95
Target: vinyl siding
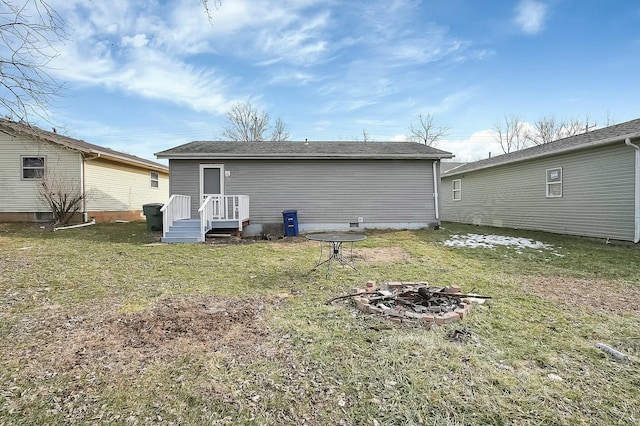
115,187
597,195
18,195
336,191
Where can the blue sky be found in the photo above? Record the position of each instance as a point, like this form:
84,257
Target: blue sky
143,76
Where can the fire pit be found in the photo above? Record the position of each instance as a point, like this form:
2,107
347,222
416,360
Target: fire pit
414,301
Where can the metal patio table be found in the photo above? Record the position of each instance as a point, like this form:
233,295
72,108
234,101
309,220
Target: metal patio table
335,240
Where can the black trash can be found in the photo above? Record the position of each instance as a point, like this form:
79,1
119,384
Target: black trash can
154,216
290,218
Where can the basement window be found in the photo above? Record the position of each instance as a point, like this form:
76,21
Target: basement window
456,186
32,167
554,183
155,181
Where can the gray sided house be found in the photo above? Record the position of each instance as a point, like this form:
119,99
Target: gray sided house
587,185
331,185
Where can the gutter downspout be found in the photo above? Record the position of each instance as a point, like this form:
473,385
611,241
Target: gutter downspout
83,188
85,213
636,237
435,190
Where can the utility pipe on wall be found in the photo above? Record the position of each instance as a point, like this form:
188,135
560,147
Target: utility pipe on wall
435,189
636,237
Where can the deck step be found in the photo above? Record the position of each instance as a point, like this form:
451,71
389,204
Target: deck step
186,223
183,231
181,239
188,230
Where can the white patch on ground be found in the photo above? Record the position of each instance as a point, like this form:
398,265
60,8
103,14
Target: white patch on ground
491,241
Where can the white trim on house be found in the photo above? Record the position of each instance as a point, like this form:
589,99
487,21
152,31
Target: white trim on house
636,237
37,176
457,190
201,177
554,180
153,179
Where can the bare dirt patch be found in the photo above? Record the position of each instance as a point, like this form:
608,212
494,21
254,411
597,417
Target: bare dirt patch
600,295
373,255
381,254
166,331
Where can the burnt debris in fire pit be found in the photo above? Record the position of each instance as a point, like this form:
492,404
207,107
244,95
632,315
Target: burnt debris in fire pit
413,301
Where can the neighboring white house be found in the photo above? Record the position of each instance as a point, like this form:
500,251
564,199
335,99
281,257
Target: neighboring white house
115,184
586,185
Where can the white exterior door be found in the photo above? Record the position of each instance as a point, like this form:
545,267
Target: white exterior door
211,180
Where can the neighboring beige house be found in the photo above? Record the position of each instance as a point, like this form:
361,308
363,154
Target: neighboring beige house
115,184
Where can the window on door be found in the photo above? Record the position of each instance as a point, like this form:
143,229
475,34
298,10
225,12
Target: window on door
211,181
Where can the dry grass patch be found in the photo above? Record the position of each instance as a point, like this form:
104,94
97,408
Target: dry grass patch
171,328
600,295
381,254
98,328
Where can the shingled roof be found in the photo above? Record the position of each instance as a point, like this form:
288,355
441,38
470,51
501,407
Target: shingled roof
594,138
304,150
13,128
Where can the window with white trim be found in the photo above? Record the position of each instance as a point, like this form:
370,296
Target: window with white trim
554,182
32,167
456,187
155,180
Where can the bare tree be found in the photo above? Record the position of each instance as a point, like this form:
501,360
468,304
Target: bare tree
247,124
549,129
510,132
207,6
575,126
28,30
426,131
365,136
62,196
610,120
545,130
280,132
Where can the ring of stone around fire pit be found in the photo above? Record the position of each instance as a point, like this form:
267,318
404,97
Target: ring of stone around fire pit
413,301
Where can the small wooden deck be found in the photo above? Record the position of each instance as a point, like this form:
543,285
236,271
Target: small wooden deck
216,212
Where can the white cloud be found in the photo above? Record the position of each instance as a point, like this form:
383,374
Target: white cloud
478,146
153,50
530,16
293,77
401,138
435,46
137,41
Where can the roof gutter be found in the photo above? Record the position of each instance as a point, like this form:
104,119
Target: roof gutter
199,156
636,237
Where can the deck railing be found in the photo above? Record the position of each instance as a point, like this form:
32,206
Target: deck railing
206,212
223,208
178,207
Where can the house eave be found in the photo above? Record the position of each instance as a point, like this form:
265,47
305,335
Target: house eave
115,158
13,129
212,156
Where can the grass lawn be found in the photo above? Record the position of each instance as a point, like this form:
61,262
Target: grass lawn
105,325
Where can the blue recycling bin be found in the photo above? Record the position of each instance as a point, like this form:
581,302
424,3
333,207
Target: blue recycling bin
290,218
